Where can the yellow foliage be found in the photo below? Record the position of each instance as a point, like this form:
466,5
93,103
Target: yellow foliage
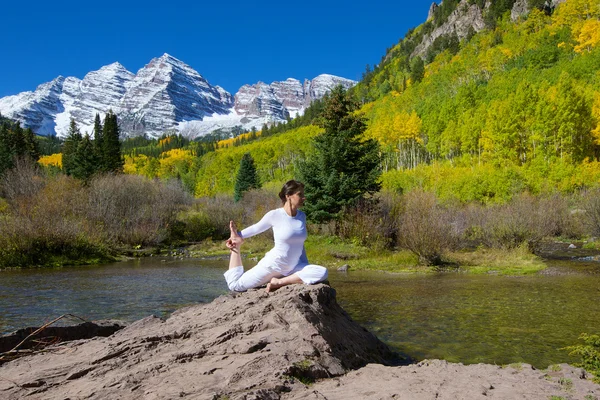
575,13
53,159
390,128
596,115
165,141
589,37
236,140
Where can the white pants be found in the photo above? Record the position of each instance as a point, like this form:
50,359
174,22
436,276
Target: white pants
267,268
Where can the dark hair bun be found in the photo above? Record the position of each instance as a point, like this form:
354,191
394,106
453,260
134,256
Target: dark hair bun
290,188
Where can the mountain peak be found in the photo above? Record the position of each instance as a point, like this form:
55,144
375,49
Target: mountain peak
163,95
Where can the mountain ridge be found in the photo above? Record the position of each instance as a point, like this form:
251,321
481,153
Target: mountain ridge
164,95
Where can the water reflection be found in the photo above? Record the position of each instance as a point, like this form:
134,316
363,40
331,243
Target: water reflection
473,319
128,291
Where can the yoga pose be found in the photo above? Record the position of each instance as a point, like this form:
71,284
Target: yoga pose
286,262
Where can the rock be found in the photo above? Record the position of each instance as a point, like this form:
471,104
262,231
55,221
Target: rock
57,334
241,344
465,17
572,246
344,268
256,345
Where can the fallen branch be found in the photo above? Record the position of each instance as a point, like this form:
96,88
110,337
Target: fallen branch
15,349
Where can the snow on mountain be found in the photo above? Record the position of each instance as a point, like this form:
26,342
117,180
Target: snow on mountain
166,94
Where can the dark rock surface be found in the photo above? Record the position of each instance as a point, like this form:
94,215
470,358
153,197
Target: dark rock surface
86,330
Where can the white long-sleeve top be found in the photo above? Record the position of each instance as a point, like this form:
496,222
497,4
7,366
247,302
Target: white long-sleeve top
289,234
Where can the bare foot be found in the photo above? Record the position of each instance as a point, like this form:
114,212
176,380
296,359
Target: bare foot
235,241
274,285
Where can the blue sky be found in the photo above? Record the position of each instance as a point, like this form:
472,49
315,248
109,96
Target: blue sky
230,43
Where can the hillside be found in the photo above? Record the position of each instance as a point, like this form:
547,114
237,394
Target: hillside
514,107
505,102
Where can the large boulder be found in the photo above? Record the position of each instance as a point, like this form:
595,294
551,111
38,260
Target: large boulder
247,345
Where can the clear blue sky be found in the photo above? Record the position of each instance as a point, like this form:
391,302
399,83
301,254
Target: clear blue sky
230,43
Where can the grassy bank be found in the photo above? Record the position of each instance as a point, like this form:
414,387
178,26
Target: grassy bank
333,252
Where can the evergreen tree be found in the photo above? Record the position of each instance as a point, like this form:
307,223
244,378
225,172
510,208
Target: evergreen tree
98,140
17,141
417,70
6,155
85,162
69,149
112,161
343,168
247,177
32,148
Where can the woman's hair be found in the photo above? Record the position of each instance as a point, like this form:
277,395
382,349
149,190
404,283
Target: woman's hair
290,188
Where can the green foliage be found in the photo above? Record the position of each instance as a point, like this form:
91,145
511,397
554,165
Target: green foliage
589,353
70,146
343,167
496,10
83,157
85,160
16,142
417,70
247,177
112,160
273,156
49,145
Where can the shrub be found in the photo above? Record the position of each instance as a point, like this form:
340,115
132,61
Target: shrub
526,219
55,220
589,353
591,204
426,228
371,222
219,210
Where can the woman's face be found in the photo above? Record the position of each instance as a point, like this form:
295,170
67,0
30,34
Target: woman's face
297,199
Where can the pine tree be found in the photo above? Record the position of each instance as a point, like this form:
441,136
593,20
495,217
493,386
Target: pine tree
343,167
32,148
69,149
247,177
98,140
417,70
6,155
112,161
85,162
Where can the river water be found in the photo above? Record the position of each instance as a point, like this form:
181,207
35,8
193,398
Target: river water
457,317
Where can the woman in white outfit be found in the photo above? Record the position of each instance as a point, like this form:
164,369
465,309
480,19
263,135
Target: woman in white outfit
286,262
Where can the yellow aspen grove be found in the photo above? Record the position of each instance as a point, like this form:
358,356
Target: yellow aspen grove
51,160
589,37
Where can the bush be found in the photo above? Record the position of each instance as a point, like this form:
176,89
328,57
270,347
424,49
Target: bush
426,228
591,204
371,222
590,354
56,220
134,210
526,219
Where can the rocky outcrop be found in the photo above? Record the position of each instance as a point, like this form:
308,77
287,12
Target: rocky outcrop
295,343
438,379
521,8
464,18
238,346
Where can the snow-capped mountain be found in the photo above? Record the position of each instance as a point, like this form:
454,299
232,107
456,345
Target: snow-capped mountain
166,94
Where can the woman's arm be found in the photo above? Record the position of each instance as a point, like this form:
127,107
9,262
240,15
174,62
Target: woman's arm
264,224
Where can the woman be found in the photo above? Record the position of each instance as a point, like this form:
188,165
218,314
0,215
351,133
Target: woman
286,262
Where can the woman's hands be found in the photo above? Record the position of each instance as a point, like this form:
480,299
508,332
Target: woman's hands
235,240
